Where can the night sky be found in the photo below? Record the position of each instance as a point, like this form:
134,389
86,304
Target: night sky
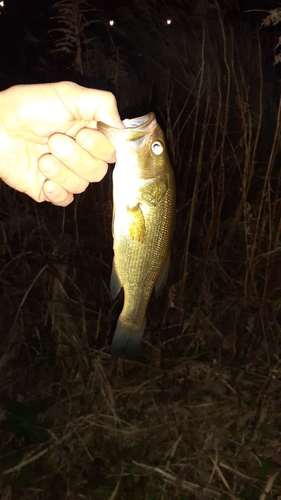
26,43
35,7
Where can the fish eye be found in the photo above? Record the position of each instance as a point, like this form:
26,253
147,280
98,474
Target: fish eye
157,148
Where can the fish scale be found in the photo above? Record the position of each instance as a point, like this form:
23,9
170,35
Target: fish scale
143,219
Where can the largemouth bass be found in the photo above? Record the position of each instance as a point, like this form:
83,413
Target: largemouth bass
143,216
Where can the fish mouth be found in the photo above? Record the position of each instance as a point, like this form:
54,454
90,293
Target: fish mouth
142,123
136,131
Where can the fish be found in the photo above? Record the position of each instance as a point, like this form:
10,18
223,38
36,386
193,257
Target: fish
142,224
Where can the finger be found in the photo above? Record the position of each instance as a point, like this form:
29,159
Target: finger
89,104
53,169
77,159
96,144
56,194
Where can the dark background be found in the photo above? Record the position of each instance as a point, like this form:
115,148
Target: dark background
27,37
197,414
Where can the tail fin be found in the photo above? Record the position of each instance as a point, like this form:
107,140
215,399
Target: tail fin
126,340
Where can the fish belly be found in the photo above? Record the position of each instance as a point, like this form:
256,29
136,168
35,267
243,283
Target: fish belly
141,249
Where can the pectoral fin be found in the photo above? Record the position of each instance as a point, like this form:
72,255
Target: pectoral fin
136,223
160,283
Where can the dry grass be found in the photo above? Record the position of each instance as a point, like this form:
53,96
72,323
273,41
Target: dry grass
198,414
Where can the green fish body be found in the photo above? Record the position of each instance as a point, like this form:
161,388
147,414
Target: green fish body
143,219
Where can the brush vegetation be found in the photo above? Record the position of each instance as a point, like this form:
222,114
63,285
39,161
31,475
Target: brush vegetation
198,414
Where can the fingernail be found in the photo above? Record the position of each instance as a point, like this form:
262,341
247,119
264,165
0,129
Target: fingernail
49,167
61,146
52,188
87,142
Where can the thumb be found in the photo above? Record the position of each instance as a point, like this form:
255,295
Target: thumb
89,104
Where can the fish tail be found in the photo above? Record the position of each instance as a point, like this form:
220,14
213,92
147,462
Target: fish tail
126,339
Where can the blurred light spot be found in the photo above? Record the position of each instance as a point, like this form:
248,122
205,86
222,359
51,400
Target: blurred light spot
111,22
169,21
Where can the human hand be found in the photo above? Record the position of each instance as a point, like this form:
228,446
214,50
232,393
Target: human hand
50,147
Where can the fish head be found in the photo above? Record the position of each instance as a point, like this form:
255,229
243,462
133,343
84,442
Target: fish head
142,172
140,146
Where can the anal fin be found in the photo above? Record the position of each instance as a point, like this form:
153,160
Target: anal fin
161,281
115,285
